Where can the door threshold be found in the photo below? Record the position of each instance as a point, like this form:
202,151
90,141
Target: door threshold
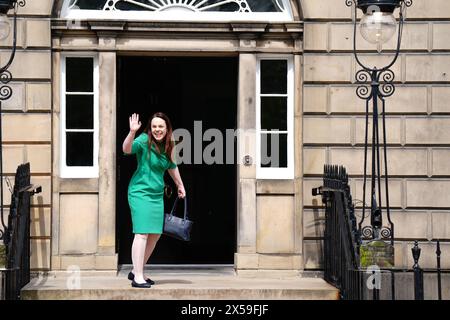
124,267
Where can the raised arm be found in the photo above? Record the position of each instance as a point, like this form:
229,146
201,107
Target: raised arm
135,124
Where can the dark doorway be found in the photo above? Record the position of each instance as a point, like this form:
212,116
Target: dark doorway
187,89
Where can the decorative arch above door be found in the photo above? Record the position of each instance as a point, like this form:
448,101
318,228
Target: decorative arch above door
178,10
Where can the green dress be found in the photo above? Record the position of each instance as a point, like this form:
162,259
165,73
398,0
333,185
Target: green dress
146,188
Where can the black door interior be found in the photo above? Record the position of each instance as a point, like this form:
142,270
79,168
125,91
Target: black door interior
187,89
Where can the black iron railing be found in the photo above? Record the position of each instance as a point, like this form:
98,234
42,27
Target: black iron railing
341,257
343,238
16,235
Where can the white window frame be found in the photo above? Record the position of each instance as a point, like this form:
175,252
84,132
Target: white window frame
205,16
85,171
276,173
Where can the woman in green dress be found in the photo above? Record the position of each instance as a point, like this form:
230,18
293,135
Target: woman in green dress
154,152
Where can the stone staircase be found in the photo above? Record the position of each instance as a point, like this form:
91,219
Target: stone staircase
180,284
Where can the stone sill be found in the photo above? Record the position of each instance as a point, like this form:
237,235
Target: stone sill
163,26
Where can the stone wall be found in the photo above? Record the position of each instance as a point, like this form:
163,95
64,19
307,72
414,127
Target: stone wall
27,121
418,123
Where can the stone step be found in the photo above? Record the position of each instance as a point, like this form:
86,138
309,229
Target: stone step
176,284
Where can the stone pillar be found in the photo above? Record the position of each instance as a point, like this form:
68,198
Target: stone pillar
106,257
246,257
56,112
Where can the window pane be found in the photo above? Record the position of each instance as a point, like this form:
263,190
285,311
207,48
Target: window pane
79,111
273,150
80,149
90,4
79,74
274,76
210,5
274,113
266,6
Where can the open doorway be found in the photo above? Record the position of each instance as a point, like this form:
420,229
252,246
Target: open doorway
187,89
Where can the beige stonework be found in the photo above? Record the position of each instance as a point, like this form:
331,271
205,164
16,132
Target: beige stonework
107,157
40,158
407,99
77,262
435,130
40,199
440,100
34,64
40,254
415,37
440,224
277,187
275,224
39,127
440,162
331,9
396,198
422,68
17,100
313,223
38,33
246,261
13,156
320,130
247,229
38,96
403,220
313,254
106,262
423,10
401,161
316,36
40,222
394,130
43,198
315,99
441,36
43,7
428,193
277,261
314,160
79,224
321,68
308,185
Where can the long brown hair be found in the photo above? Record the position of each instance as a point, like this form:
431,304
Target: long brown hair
168,142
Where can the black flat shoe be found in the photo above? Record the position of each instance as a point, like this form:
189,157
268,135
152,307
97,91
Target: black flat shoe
134,284
131,277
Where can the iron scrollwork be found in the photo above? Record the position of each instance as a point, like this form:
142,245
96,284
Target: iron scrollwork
375,83
349,3
408,3
387,87
368,233
363,79
5,89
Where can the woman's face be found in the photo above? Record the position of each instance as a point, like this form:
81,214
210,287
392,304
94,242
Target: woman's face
159,129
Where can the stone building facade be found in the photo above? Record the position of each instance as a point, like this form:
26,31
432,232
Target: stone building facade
279,225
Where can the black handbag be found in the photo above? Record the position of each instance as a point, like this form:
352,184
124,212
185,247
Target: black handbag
176,227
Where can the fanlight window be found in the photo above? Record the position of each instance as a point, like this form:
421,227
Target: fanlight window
182,10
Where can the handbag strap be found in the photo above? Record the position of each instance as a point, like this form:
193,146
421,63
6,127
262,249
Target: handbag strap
175,206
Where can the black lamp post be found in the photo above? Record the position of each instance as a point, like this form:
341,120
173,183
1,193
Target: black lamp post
377,26
5,78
